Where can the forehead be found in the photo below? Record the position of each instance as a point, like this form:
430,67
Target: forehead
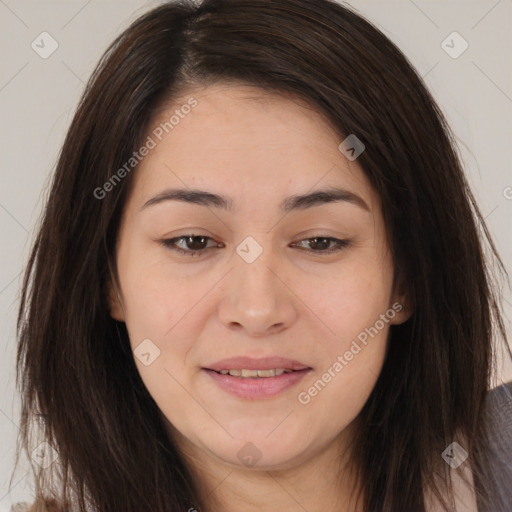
242,141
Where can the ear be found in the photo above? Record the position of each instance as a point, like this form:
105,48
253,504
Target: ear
115,305
401,303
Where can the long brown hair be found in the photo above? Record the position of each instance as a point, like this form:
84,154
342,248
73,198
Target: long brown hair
75,368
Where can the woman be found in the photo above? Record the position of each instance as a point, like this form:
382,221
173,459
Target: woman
259,282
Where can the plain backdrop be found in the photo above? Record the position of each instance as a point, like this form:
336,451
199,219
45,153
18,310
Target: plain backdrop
39,95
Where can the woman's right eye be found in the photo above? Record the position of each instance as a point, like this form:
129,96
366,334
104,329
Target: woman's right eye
191,245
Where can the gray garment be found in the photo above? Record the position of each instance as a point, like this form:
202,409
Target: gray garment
499,465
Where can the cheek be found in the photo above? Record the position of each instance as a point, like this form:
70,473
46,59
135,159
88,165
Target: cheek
156,310
352,299
355,306
161,328
349,366
154,295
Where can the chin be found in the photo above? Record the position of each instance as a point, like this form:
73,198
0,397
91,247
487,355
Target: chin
259,451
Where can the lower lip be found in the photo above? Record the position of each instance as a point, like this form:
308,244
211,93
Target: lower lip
257,388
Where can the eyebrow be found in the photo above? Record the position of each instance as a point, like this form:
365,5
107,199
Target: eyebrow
294,202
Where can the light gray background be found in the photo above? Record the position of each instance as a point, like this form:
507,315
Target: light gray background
38,97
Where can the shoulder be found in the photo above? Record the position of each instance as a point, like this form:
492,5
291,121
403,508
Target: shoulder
498,431
496,462
499,419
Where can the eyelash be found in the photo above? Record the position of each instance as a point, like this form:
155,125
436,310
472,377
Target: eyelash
171,244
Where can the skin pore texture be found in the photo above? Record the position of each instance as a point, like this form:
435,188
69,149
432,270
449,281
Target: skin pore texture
294,300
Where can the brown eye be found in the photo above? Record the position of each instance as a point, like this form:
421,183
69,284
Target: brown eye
191,245
196,243
324,244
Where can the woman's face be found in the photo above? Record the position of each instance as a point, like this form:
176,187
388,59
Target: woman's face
277,277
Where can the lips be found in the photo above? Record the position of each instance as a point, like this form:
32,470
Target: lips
249,363
243,381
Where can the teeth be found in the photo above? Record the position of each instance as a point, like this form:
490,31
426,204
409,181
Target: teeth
250,373
255,373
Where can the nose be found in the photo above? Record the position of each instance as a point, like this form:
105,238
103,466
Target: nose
256,297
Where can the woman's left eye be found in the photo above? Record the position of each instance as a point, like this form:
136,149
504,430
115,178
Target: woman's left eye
194,245
323,244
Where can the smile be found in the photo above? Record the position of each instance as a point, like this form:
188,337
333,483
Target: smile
250,385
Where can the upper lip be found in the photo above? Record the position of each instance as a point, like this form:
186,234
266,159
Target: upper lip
249,363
